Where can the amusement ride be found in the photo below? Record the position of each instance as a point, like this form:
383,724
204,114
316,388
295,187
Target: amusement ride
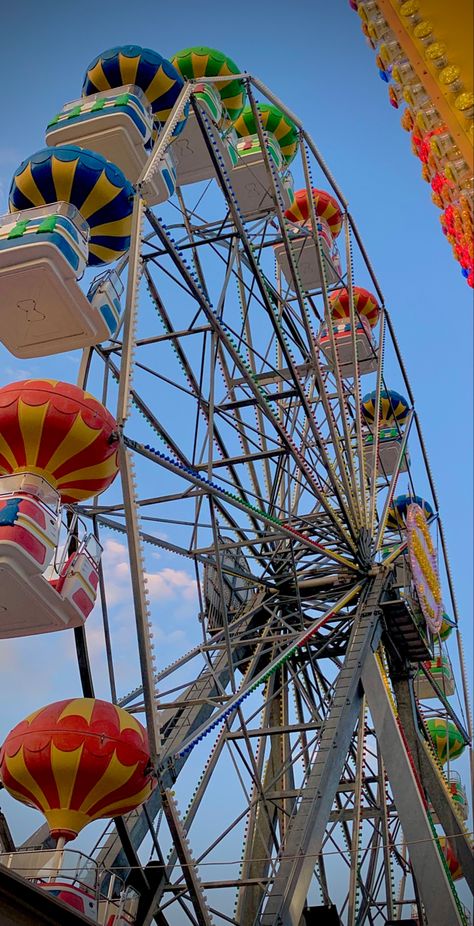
298,764
424,53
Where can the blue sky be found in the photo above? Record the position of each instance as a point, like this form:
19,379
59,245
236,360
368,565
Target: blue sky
314,56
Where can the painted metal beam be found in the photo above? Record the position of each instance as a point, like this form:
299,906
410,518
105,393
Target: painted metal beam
433,781
260,835
286,897
441,904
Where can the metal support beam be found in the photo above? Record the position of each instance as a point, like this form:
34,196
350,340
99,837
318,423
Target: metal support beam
260,836
140,603
287,896
186,859
433,781
441,905
176,724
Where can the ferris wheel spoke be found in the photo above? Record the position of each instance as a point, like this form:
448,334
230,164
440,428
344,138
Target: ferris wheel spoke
338,445
321,447
357,376
248,335
252,450
194,478
265,295
378,390
348,463
393,482
233,351
131,305
157,427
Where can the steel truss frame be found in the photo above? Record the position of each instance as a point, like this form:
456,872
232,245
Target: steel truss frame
267,486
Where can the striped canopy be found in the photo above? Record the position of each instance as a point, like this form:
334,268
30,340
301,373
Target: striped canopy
326,207
452,860
397,513
393,407
273,120
364,304
60,432
446,738
131,64
77,760
94,185
200,61
447,626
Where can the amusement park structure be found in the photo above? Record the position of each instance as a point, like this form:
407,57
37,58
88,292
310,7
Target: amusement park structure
424,52
297,764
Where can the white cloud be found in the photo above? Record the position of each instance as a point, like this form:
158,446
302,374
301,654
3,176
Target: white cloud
46,664
175,636
116,572
114,550
165,585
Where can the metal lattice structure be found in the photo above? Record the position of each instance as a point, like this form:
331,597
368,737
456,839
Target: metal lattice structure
298,700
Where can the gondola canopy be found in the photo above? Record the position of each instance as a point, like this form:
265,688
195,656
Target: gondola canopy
365,305
77,760
394,408
397,512
201,61
273,120
446,738
325,205
131,64
95,186
58,431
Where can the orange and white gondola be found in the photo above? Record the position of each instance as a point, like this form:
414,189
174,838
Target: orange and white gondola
305,257
365,347
315,262
57,445
366,314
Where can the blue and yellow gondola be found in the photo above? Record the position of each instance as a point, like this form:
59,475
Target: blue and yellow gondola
393,408
397,512
97,188
131,64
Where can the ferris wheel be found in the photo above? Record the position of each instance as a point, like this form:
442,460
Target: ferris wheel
296,765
